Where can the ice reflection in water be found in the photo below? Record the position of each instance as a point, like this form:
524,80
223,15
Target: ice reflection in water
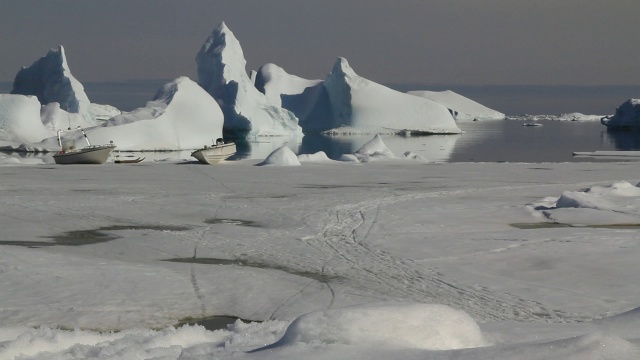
481,141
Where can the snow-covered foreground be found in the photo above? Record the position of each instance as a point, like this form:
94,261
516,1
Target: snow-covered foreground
387,259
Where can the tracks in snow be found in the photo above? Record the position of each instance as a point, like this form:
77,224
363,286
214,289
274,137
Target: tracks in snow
378,272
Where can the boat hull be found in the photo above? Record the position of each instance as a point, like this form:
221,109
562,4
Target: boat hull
88,155
214,154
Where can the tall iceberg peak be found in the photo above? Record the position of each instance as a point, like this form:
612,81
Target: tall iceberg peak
342,70
361,105
50,79
220,60
221,72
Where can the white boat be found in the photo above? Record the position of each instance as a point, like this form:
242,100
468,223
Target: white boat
531,124
90,154
213,154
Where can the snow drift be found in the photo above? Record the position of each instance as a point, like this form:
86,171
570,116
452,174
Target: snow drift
418,326
616,203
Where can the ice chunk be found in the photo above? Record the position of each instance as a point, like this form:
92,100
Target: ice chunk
282,156
627,115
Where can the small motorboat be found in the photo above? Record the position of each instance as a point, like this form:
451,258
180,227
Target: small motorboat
215,153
531,124
129,159
90,154
119,160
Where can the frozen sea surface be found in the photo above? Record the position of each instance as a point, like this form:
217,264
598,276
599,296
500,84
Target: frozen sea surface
164,242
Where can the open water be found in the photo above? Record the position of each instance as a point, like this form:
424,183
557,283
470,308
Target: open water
481,141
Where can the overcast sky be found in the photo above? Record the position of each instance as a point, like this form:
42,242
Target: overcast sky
472,42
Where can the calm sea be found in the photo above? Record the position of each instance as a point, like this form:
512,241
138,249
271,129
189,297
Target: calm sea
482,141
493,141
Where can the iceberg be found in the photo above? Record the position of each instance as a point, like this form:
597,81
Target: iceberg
181,116
460,107
345,103
247,112
361,105
20,120
307,99
576,116
24,123
50,79
277,85
627,116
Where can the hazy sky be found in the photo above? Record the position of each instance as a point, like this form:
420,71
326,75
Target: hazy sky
474,42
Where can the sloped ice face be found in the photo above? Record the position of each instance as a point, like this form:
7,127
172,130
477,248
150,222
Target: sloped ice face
347,103
247,112
276,83
20,119
364,105
181,116
50,79
460,107
627,115
307,99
